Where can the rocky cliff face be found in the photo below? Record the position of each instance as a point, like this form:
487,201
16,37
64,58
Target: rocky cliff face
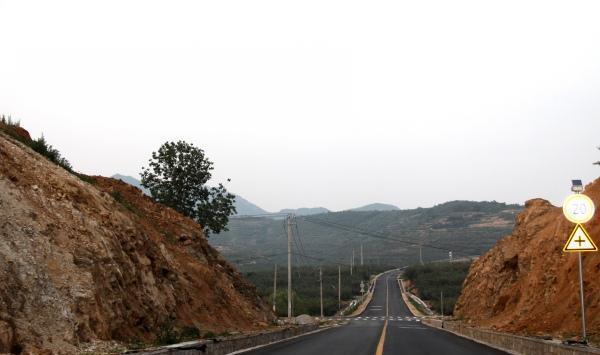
81,261
527,284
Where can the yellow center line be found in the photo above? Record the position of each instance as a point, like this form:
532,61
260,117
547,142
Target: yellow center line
382,338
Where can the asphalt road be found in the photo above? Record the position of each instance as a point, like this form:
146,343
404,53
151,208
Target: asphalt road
404,334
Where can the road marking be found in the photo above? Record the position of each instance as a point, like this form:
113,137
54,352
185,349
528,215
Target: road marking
241,351
379,350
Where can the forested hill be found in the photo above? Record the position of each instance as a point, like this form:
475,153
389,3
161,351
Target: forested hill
388,237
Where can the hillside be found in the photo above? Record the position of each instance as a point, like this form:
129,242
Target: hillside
82,261
527,284
376,207
245,207
467,228
131,181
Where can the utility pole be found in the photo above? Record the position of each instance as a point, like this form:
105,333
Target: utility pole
339,287
361,254
352,262
289,222
442,303
275,290
321,289
421,254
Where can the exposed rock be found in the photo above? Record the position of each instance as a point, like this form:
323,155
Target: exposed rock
526,284
82,262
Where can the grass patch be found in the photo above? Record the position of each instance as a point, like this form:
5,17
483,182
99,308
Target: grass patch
123,201
418,306
90,180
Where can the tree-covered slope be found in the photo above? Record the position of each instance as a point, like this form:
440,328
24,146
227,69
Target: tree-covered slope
392,237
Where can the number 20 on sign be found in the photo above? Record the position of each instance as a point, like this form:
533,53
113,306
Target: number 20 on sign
579,209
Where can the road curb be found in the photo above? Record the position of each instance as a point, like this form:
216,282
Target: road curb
415,312
509,343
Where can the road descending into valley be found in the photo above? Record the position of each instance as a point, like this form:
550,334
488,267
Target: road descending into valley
370,334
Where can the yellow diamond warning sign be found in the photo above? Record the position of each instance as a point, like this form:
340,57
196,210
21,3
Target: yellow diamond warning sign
580,241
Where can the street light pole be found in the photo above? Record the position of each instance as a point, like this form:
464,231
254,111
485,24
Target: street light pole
582,302
577,188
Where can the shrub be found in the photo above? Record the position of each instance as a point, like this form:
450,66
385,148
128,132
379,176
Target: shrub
41,146
10,127
209,335
167,334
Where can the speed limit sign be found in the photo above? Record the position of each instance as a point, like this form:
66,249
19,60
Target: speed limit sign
578,208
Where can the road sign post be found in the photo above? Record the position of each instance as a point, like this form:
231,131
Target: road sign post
362,288
579,208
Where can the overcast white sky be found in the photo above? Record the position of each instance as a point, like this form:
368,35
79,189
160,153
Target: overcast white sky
318,103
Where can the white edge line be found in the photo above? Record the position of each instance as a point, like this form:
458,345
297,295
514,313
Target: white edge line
497,347
281,341
461,335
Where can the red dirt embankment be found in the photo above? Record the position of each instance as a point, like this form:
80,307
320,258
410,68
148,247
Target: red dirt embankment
85,261
526,284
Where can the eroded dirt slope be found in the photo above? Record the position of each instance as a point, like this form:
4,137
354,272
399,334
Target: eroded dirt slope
526,284
82,261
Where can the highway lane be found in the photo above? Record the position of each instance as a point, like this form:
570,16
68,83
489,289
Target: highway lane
385,327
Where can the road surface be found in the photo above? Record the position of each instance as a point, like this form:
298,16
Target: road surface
370,334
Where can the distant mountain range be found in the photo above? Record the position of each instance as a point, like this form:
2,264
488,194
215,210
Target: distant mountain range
304,211
247,208
467,228
376,207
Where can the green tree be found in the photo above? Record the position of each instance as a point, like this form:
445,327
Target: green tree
177,177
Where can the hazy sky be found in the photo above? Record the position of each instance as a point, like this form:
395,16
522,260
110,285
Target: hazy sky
318,103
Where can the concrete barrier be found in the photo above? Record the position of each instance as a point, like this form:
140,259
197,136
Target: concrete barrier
510,343
231,344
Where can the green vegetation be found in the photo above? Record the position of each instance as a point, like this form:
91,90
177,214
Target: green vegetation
169,334
177,177
431,279
418,306
463,227
13,129
125,203
209,335
41,146
305,281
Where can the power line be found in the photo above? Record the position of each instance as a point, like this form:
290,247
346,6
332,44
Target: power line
259,215
374,234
